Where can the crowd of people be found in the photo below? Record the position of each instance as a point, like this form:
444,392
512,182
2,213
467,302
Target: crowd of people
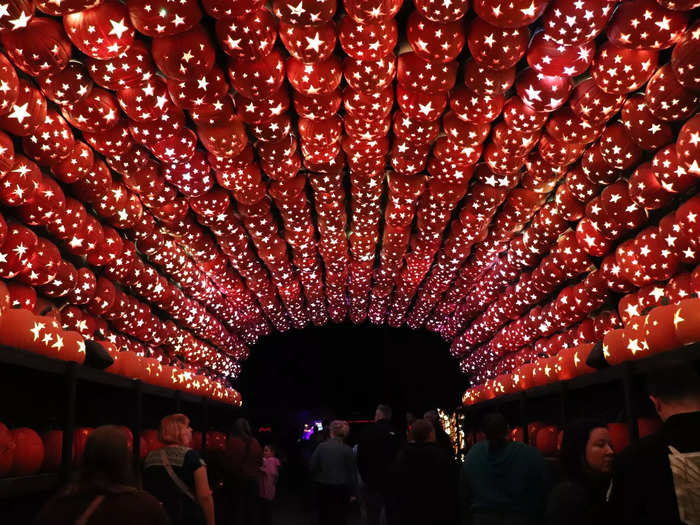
409,479
176,487
504,482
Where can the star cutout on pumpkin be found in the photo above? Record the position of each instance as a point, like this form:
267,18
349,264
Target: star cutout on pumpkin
21,21
298,9
19,113
314,43
118,28
38,327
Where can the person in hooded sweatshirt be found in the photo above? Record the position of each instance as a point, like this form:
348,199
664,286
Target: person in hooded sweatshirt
586,464
503,482
423,481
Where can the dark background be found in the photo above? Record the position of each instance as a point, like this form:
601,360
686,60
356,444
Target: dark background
345,370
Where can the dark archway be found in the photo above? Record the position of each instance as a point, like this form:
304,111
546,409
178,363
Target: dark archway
345,370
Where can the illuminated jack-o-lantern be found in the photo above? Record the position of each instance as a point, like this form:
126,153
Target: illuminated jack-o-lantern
660,329
131,365
627,343
15,328
686,320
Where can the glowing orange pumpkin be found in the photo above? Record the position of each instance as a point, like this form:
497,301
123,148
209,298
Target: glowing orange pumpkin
526,376
15,328
687,321
660,330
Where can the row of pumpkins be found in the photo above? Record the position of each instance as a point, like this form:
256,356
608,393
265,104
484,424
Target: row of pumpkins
23,452
664,328
43,334
548,438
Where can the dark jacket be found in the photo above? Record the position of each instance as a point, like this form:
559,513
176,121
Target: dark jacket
579,502
333,463
643,489
511,480
423,486
376,452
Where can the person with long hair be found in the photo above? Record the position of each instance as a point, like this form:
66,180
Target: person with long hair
503,482
104,494
244,459
177,475
586,465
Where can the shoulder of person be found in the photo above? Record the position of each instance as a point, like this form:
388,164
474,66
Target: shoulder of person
479,447
193,457
645,447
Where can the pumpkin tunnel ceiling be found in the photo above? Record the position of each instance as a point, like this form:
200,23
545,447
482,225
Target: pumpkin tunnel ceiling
183,180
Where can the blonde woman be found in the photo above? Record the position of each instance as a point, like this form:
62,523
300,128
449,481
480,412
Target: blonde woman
177,475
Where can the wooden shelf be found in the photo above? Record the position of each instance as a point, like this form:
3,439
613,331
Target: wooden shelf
14,487
101,377
13,356
30,360
137,396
